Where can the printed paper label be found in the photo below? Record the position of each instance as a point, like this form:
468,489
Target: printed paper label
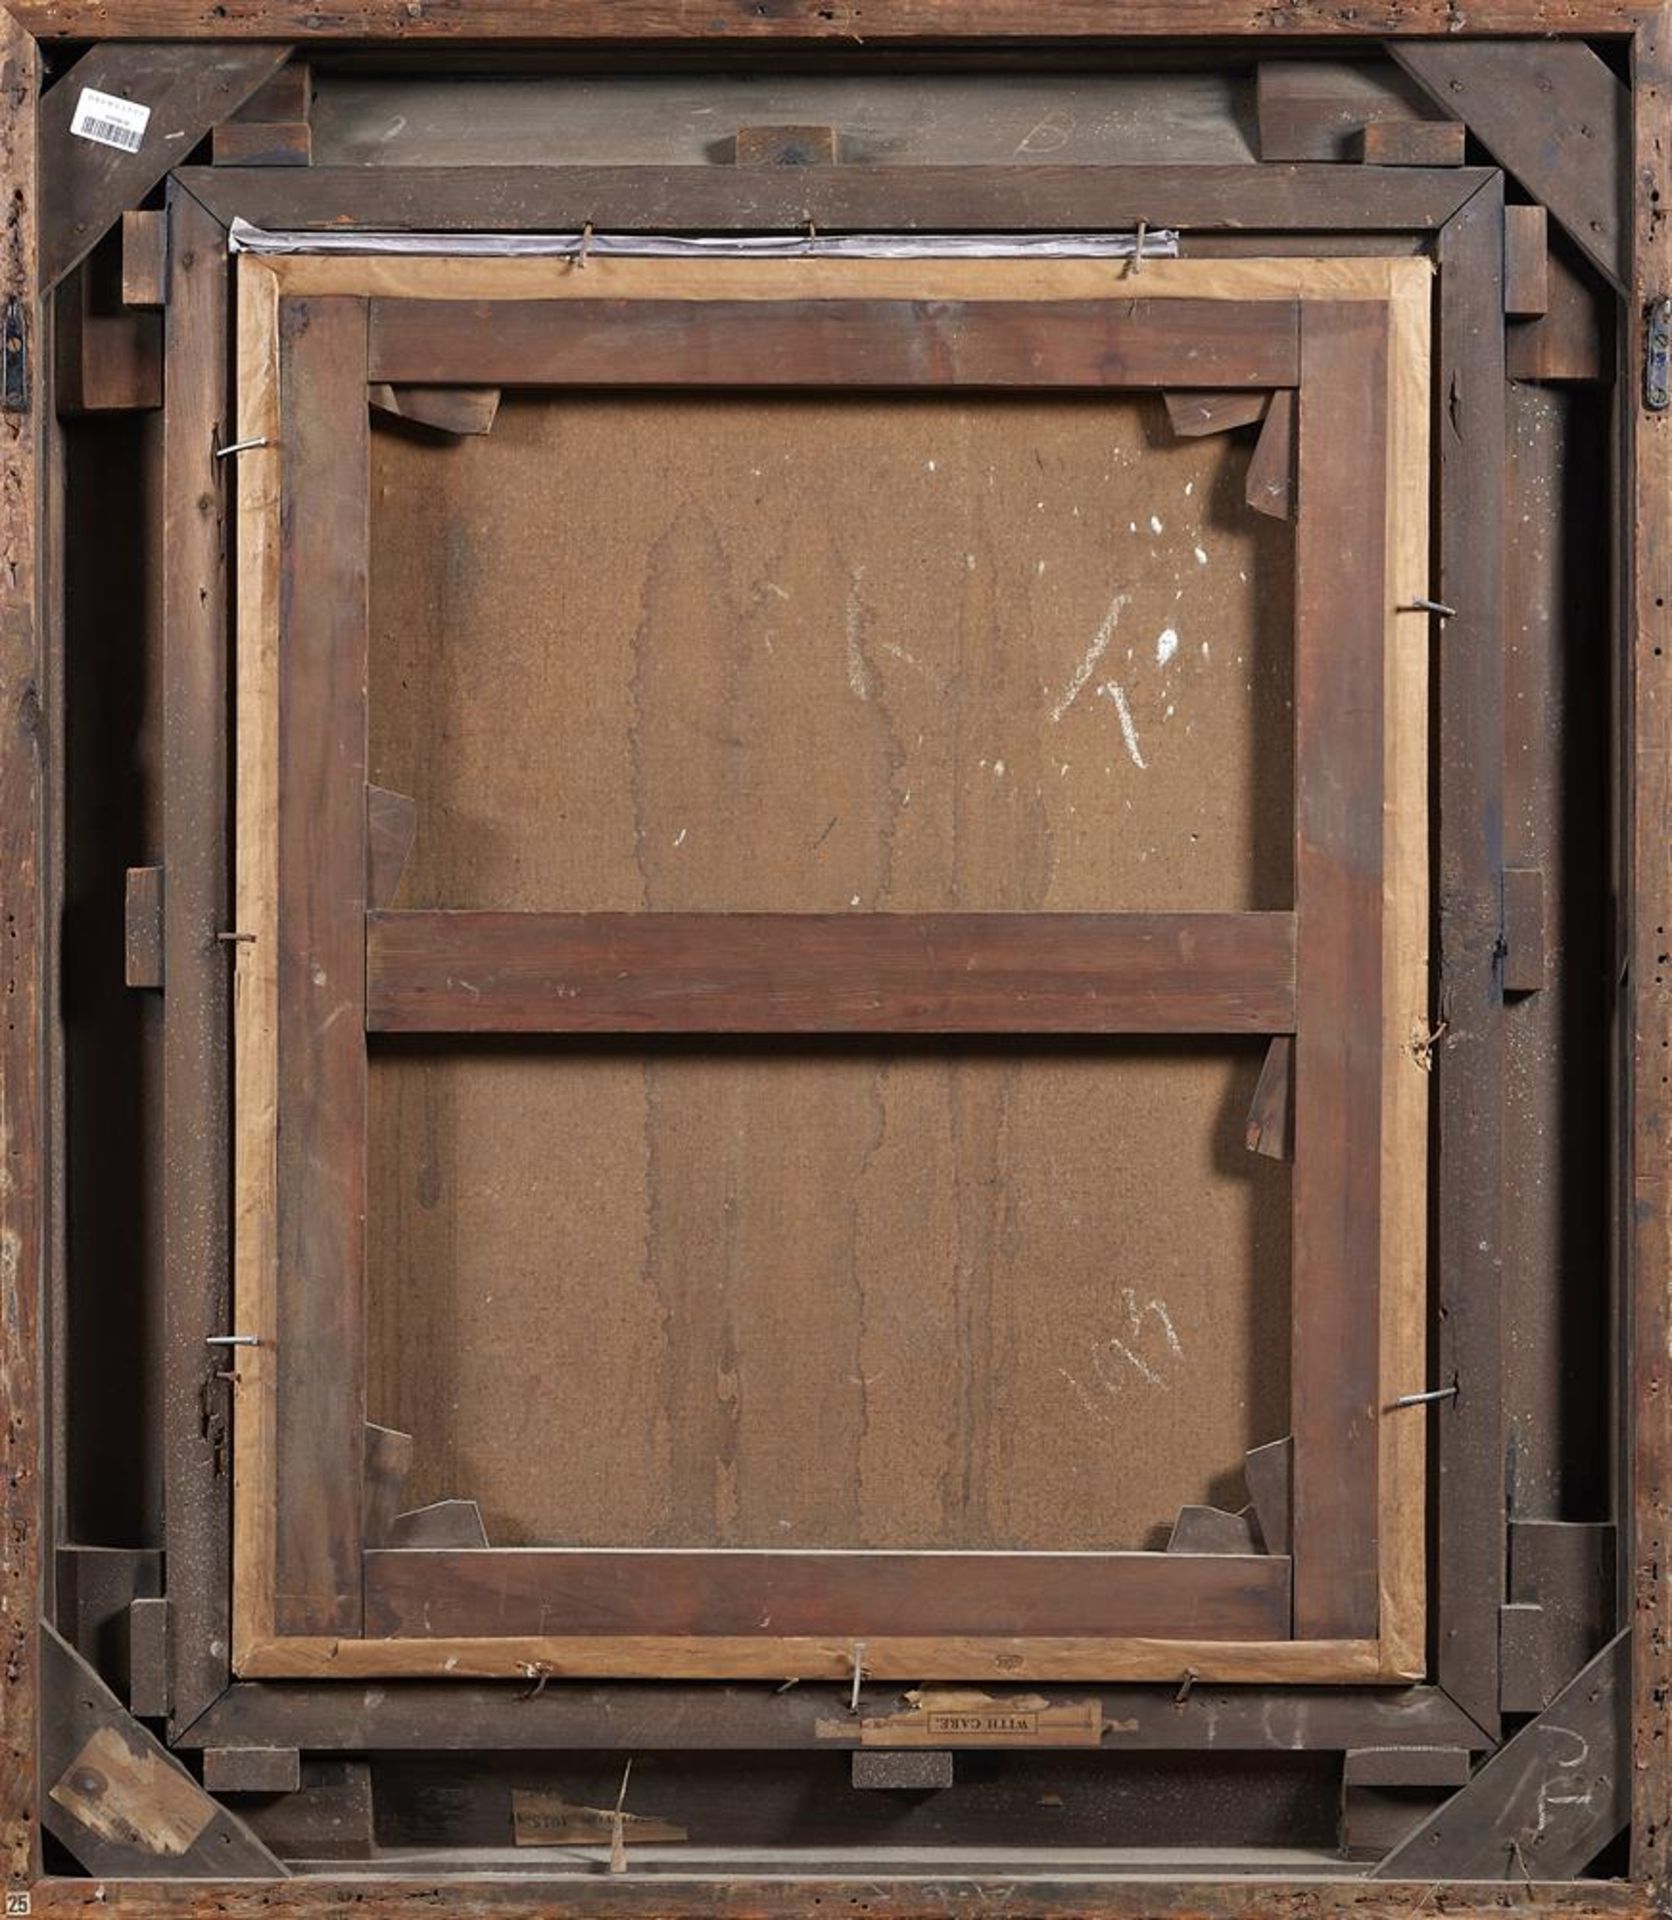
110,120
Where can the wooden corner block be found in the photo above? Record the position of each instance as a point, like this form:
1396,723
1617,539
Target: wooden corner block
252,1769
144,258
262,143
328,1817
391,829
1316,109
1191,415
148,1695
1573,339
786,147
388,1461
454,410
1271,1129
1270,483
142,944
1268,1471
1212,1530
287,96
902,1770
443,1523
1526,262
109,357
1524,930
1411,143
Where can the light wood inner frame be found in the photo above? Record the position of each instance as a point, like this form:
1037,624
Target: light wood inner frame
1394,296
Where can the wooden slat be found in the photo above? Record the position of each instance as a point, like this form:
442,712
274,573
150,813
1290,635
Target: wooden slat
1526,261
321,1092
606,1592
144,259
461,1716
1552,113
868,343
438,972
86,186
1469,1063
1645,1317
940,199
195,1199
1340,596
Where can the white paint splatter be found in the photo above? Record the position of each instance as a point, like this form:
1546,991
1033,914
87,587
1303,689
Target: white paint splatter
1166,645
998,769
679,838
1201,556
1095,652
1128,732
1155,523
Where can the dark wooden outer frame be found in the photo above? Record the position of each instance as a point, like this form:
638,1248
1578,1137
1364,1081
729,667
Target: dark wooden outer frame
304,1007
24,661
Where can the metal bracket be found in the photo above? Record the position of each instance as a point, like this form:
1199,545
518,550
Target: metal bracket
14,359
1657,355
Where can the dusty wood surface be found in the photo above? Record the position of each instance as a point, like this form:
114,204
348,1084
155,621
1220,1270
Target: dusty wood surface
88,185
196,1197
23,1128
839,21
848,342
320,827
931,198
442,972
1342,580
532,1591
1648,1107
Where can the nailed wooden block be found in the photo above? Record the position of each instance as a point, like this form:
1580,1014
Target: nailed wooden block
1313,109
1573,339
902,1770
142,946
1268,1471
1524,931
459,410
1561,1607
786,147
1411,143
148,1694
97,1587
252,1769
1212,1530
1375,1819
1191,415
1526,262
144,258
109,356
1406,1766
327,1817
1271,1126
1270,482
262,143
287,96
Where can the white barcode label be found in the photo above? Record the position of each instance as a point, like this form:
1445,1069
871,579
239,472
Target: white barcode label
112,121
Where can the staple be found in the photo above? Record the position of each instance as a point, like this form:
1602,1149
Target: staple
1423,1399
586,245
1185,1685
242,446
233,1340
1429,606
858,1675
1138,250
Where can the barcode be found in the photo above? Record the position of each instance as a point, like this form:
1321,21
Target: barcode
111,134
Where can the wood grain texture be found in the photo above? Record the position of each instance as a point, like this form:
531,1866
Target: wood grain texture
1646,442
1469,1060
25,977
1554,114
86,185
196,1196
255,962
829,973
1315,109
533,1592
810,20
830,1658
940,199
461,1716
322,861
854,342
1341,595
